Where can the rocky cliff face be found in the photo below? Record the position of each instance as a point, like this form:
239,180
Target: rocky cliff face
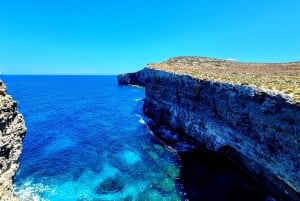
259,129
131,79
12,131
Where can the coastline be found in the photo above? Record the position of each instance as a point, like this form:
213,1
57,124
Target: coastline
12,132
255,128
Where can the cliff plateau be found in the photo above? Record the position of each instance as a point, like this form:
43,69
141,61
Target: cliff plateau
12,131
221,106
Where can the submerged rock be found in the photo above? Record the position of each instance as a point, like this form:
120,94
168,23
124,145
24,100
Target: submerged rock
12,131
159,148
153,155
128,198
173,171
163,183
110,185
167,185
152,195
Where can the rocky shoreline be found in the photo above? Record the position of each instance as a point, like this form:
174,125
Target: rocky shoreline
254,128
12,132
210,175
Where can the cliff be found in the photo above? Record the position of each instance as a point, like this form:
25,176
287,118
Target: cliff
206,100
132,79
12,131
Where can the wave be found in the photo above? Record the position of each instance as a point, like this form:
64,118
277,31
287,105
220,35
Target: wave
141,119
138,99
32,192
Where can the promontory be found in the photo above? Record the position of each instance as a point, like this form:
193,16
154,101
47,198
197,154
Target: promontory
249,112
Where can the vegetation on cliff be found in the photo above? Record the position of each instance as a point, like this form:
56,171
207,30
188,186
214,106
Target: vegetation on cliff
246,111
282,78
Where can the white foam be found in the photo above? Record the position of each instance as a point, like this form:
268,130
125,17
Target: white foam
32,192
141,120
68,189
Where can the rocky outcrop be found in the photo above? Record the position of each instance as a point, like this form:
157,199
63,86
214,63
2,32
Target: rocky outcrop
259,129
12,131
131,79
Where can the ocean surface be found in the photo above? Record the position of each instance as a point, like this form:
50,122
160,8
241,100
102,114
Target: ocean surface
87,140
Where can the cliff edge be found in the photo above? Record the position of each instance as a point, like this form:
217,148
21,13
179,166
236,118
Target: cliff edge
12,131
247,111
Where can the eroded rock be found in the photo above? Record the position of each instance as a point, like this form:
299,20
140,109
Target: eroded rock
12,131
2,88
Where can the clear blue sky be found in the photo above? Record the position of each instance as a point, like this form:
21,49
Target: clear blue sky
110,37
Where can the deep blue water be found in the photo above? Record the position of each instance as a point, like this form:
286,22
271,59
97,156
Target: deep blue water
87,140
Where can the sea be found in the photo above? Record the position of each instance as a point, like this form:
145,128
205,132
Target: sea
88,140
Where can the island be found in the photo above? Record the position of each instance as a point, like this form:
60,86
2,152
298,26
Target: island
247,112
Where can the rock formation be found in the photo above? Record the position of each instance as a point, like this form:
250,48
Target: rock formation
256,127
12,131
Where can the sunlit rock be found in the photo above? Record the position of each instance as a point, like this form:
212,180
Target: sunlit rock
12,131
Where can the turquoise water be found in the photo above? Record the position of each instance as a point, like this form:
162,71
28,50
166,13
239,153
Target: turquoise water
87,140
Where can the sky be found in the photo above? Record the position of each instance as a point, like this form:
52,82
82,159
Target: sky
91,37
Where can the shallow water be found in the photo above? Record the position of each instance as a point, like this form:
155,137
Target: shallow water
87,140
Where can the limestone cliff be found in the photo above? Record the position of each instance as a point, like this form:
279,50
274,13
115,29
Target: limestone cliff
131,79
261,126
12,131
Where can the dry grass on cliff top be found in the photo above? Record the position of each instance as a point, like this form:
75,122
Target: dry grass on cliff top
277,77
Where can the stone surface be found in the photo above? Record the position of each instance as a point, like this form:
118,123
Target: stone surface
261,127
2,88
12,131
277,77
131,79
